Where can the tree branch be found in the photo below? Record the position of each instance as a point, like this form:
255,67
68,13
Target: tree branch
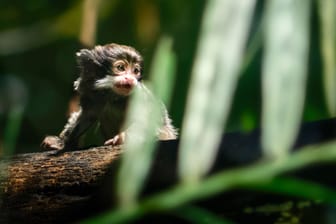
56,188
41,186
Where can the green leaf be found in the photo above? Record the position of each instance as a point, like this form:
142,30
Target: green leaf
140,139
295,187
163,70
327,12
12,128
284,73
199,215
214,77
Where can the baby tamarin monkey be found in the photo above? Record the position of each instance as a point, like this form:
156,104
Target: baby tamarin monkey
108,75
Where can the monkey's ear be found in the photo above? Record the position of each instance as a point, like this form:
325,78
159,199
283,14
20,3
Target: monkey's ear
89,64
86,56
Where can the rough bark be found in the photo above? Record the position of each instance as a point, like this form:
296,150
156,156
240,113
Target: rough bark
48,188
39,187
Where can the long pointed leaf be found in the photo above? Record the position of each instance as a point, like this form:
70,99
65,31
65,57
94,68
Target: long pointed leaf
215,73
284,73
140,141
327,9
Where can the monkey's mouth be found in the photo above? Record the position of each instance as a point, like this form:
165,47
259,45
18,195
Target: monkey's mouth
123,88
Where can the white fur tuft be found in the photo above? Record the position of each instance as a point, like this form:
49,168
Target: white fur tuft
105,83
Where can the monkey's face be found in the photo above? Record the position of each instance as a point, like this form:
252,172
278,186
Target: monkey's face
121,68
126,76
122,79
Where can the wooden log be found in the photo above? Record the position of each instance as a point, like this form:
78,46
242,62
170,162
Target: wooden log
61,188
48,187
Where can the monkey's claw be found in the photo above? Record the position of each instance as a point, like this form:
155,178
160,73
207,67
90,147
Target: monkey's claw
52,143
116,140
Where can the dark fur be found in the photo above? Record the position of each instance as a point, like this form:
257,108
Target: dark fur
102,105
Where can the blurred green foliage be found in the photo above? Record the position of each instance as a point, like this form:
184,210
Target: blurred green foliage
38,41
286,29
45,62
47,67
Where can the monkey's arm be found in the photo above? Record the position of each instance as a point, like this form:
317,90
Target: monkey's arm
165,132
77,124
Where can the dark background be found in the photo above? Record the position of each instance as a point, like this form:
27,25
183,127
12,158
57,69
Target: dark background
38,41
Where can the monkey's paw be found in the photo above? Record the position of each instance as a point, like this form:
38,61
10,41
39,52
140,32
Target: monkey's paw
52,143
116,140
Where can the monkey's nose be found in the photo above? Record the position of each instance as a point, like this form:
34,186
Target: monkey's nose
129,79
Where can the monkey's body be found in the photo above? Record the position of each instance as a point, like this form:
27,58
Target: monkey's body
112,117
108,76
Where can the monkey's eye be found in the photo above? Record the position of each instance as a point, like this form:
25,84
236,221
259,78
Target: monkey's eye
121,67
136,71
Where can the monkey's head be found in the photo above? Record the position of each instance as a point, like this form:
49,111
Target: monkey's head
111,67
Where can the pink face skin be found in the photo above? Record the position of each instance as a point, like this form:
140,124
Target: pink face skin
124,78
